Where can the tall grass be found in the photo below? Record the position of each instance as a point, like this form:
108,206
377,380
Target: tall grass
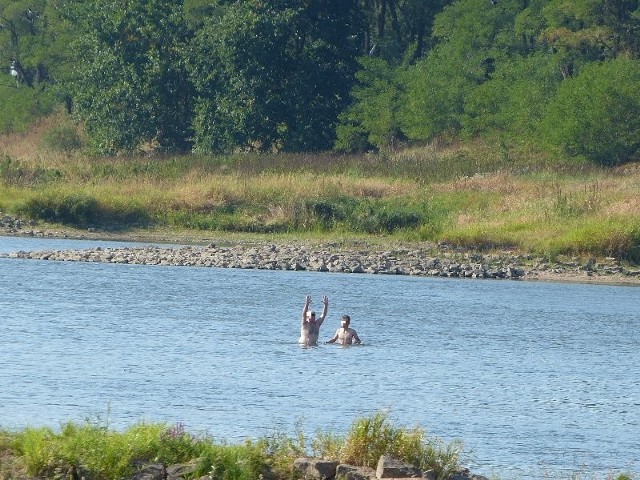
371,437
96,452
473,195
91,449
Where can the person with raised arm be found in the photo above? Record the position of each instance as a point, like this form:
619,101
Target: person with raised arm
310,324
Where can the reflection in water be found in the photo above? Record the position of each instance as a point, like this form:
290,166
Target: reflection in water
531,376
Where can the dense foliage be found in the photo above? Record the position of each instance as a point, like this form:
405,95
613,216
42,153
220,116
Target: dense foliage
273,75
294,75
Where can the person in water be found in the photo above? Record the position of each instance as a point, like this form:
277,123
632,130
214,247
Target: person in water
310,325
345,335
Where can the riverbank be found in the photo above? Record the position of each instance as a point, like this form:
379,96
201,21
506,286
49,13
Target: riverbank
200,249
470,195
161,452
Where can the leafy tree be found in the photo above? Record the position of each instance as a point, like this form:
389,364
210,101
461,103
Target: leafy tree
590,30
394,28
20,107
129,84
21,23
371,120
196,12
597,113
273,75
474,38
493,68
513,102
33,52
34,36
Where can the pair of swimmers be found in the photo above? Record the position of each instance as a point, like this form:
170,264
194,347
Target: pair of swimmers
310,326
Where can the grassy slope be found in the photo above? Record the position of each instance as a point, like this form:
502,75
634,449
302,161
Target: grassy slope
473,195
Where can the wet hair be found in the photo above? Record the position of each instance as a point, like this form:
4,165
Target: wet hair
346,318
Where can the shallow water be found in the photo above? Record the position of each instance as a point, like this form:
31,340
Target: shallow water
532,377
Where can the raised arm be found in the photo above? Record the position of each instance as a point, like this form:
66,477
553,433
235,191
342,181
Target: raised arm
307,302
325,307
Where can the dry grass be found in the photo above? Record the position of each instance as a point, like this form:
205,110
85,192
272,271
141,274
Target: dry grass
477,196
30,149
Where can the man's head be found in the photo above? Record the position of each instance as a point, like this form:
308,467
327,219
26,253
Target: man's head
345,321
311,316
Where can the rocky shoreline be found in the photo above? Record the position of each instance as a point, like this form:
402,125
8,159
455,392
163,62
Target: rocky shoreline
418,260
305,468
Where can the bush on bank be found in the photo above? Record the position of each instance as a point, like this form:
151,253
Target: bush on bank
106,454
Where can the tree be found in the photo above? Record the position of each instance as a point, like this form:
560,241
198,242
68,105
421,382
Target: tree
397,29
33,53
597,114
590,30
273,75
474,38
512,102
20,24
129,84
371,119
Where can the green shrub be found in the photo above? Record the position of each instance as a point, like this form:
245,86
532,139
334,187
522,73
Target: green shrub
91,449
623,476
21,107
34,447
280,450
326,214
15,173
100,453
77,210
612,237
391,216
62,138
371,119
81,210
596,114
371,437
443,458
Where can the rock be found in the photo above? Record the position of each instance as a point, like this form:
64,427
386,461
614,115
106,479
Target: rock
155,471
389,467
315,468
590,265
515,272
465,474
350,472
333,257
182,470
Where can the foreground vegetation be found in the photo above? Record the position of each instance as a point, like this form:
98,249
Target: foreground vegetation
98,452
472,195
101,453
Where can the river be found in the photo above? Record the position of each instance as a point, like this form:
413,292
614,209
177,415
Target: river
532,377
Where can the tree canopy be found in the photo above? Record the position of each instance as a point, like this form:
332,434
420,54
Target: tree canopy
301,75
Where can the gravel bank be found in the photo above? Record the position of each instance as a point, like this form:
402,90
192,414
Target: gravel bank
419,260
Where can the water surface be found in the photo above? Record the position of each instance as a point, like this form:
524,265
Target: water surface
532,377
